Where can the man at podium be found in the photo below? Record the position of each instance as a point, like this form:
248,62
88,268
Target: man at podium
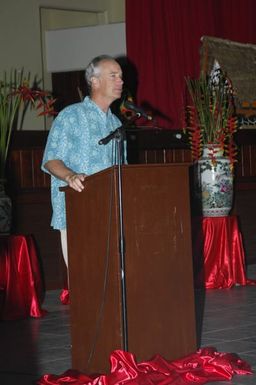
72,150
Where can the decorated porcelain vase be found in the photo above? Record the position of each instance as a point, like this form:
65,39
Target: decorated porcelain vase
215,183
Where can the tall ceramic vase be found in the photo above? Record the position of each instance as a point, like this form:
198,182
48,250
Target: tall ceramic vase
5,210
215,183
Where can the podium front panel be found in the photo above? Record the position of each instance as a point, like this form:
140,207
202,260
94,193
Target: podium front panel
159,272
158,265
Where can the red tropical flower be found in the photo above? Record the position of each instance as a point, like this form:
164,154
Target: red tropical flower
15,97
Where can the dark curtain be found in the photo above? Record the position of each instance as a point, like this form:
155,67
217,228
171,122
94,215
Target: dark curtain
163,43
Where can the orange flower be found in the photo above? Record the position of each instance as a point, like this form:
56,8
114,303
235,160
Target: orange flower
15,97
210,118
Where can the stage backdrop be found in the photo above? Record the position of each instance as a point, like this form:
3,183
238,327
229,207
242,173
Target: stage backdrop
163,43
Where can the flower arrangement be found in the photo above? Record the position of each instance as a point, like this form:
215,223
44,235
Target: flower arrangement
210,118
16,96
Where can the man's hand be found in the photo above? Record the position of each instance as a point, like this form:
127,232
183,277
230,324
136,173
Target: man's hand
57,168
75,181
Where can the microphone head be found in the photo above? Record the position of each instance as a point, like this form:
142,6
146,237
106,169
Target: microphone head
130,106
124,108
127,110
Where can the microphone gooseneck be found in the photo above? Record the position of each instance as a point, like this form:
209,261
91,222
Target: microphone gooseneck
139,111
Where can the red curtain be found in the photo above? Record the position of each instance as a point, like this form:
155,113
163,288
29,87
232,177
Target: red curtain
163,42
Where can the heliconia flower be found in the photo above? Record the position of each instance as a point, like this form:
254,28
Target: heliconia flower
210,116
16,95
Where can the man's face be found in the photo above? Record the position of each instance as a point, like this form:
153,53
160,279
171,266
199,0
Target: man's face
109,83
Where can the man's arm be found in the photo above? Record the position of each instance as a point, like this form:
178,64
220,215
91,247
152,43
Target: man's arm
58,169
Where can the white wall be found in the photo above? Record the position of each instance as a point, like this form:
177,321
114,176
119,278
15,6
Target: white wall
21,39
72,49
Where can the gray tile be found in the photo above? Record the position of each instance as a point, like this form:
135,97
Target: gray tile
226,320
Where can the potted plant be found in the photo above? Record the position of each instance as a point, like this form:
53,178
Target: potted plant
16,96
211,122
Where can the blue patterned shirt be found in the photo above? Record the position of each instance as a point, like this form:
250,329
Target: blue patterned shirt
74,138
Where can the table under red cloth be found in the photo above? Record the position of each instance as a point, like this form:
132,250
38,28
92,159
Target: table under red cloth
218,253
21,289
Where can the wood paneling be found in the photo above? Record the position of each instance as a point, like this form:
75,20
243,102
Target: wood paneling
161,147
29,189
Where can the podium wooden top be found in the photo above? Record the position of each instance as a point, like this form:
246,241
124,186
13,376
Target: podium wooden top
126,167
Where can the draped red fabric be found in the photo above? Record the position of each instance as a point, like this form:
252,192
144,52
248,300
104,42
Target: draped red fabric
163,43
218,253
20,278
204,366
64,297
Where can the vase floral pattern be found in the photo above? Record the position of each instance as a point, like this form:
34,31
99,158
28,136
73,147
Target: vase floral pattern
215,184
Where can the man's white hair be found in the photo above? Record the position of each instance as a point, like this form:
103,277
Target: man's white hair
93,70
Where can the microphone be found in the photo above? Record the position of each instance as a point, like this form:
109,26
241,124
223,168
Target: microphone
117,133
139,111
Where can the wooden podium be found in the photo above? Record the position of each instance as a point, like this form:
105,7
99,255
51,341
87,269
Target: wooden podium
158,260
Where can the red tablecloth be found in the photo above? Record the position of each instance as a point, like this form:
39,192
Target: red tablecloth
206,365
20,278
218,253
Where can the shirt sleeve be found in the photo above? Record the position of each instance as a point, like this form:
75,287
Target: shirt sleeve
58,141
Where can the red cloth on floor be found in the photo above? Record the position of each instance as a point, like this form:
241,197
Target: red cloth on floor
218,253
64,297
20,278
204,366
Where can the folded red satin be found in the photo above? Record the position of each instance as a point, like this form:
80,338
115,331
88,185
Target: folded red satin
204,366
218,253
21,291
64,297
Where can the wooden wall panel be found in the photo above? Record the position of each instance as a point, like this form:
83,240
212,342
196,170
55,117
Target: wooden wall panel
29,188
166,156
40,179
245,177
25,169
32,215
246,166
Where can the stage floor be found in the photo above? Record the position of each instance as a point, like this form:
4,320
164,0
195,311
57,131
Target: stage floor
226,319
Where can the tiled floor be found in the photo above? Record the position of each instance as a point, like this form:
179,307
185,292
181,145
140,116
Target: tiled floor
229,323
33,347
